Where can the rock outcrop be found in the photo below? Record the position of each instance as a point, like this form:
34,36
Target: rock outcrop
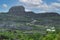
18,10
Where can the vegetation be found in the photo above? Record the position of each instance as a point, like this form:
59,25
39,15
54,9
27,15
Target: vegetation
19,35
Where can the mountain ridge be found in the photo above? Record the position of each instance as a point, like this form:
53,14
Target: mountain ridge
17,15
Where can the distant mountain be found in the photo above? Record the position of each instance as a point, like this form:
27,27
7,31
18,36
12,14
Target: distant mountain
18,15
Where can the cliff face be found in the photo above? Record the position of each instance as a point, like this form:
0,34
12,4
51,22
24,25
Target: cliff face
17,10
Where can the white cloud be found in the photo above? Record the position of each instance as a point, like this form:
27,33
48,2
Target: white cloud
58,0
27,10
4,5
34,3
57,5
31,1
41,5
23,0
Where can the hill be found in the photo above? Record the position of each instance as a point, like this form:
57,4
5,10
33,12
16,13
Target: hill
18,18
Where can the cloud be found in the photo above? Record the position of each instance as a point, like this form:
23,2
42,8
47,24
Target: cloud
56,5
27,10
4,5
35,2
58,0
23,0
40,5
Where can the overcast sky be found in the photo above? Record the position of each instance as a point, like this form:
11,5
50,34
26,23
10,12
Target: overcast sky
32,5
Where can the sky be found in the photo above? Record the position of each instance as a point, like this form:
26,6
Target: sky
37,6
